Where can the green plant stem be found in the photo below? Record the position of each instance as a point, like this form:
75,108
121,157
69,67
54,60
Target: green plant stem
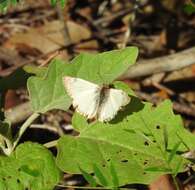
175,183
51,144
98,188
23,128
9,144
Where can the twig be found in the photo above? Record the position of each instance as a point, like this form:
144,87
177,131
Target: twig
65,31
52,56
166,63
120,13
19,113
51,144
125,38
45,126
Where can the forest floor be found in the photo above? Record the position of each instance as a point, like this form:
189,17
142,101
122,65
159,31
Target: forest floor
35,32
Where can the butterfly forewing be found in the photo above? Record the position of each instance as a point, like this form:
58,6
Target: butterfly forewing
112,102
85,95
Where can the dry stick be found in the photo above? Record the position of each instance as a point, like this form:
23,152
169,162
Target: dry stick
18,113
118,14
65,31
161,64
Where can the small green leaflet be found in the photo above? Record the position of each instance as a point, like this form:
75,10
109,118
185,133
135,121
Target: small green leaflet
62,2
4,4
189,8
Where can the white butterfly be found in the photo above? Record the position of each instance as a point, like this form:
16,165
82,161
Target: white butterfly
95,101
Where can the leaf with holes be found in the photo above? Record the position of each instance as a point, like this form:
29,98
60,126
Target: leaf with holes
31,166
133,142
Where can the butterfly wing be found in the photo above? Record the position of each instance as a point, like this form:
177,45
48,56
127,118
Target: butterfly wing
112,102
85,95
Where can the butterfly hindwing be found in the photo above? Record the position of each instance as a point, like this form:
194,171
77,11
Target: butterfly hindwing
112,102
85,95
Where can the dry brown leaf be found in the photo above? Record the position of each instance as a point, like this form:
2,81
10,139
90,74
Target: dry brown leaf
162,94
90,46
163,183
46,39
189,96
49,37
11,99
77,32
86,12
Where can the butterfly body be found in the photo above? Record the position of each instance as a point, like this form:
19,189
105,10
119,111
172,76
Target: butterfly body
95,101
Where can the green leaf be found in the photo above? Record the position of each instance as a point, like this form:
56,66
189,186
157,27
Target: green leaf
3,5
88,178
31,166
100,176
62,2
53,2
173,152
14,2
134,142
165,137
123,86
103,68
176,169
38,71
114,175
79,122
189,9
47,93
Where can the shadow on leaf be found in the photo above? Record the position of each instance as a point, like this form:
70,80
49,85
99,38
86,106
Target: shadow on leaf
135,105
